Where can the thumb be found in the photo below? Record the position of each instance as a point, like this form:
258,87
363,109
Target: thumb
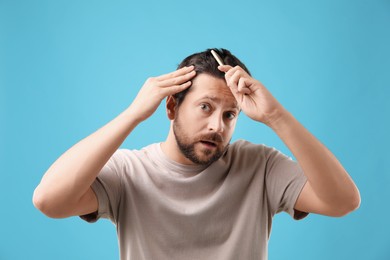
224,68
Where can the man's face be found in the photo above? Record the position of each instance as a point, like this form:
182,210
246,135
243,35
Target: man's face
205,120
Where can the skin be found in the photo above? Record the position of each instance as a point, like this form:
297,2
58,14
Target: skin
329,190
207,113
65,190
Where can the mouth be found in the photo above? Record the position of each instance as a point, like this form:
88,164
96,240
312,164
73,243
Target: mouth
209,144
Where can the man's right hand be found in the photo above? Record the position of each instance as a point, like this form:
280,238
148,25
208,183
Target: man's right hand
65,189
156,89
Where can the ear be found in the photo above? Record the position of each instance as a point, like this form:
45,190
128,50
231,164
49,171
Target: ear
171,107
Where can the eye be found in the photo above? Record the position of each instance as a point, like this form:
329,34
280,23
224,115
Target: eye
230,115
205,107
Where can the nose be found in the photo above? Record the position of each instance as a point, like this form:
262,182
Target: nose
216,123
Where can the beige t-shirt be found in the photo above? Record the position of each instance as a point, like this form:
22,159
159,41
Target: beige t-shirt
165,210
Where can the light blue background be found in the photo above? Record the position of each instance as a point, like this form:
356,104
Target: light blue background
69,67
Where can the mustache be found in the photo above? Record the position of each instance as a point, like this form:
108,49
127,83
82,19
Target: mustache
215,137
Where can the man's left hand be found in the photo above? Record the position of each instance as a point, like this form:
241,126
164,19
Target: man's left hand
253,98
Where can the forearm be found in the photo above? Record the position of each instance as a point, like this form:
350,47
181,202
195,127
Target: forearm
70,176
331,191
65,187
328,178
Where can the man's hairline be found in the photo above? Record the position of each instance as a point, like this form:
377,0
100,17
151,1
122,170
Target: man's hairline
237,107
192,81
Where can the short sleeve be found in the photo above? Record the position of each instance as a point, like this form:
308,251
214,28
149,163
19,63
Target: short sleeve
107,187
284,182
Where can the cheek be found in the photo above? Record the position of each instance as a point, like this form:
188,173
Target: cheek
230,128
192,126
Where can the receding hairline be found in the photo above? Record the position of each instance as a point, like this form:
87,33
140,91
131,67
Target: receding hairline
202,73
213,97
205,63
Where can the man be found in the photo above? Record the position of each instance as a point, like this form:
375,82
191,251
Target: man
195,196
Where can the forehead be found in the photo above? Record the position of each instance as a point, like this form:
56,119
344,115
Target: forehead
205,86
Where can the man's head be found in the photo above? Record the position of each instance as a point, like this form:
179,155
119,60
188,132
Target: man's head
204,115
204,62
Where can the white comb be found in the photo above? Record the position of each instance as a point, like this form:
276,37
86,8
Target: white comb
217,57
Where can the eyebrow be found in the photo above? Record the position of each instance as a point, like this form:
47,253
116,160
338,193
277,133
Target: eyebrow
218,100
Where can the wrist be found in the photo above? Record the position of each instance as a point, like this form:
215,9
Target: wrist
131,114
279,119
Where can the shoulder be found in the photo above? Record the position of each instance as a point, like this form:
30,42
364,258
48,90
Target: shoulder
243,147
125,155
249,152
125,152
242,151
126,162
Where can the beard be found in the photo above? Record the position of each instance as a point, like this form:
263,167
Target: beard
187,145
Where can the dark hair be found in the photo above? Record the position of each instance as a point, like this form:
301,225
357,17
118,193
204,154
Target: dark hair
205,62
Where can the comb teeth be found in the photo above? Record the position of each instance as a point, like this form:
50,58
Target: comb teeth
217,58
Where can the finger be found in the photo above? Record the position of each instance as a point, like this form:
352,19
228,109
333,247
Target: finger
232,83
177,80
234,89
242,87
176,73
237,68
232,80
175,89
224,68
